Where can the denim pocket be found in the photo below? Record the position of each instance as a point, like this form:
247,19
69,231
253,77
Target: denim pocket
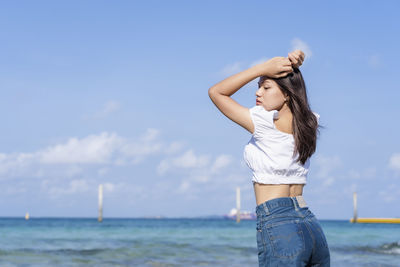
286,238
321,235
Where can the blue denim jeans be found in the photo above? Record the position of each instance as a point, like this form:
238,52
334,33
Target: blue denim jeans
289,234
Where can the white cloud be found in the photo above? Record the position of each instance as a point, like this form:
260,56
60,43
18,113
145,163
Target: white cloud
174,147
148,145
190,160
109,187
394,161
259,61
71,157
117,188
135,153
354,174
80,186
366,173
328,181
303,46
221,162
73,187
102,171
163,167
234,68
201,177
296,43
150,135
196,170
91,149
390,194
13,164
186,160
349,189
14,189
183,187
63,167
231,69
326,165
109,107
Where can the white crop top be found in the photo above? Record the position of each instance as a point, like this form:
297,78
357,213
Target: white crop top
269,151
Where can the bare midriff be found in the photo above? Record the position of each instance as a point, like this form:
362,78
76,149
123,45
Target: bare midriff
265,192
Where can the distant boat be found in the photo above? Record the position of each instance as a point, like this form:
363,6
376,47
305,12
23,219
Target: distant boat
244,215
27,216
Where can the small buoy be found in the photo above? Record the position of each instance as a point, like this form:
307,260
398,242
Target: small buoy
27,216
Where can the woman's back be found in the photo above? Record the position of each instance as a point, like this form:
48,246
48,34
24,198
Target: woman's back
265,192
276,173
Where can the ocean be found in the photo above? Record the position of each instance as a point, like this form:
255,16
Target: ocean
176,242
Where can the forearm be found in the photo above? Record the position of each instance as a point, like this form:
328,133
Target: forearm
230,85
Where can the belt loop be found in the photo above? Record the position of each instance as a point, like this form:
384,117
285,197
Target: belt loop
294,199
265,208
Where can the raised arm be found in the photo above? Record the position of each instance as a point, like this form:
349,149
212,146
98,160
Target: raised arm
221,92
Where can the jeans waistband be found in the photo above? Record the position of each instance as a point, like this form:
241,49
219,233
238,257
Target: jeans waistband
270,205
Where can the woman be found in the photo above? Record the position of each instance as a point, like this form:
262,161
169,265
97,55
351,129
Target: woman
284,133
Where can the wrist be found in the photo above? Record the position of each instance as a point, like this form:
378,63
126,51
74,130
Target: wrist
264,69
259,70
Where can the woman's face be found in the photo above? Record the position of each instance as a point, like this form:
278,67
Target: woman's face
269,95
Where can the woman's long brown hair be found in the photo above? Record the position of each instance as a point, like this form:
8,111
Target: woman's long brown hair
305,124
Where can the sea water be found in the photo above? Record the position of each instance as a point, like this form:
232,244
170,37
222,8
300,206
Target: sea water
176,242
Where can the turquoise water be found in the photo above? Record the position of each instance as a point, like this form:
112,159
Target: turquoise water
175,242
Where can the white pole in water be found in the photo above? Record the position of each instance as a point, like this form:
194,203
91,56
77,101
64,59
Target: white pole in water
100,218
237,204
355,206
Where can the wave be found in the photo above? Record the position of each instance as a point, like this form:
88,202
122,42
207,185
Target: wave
65,251
390,248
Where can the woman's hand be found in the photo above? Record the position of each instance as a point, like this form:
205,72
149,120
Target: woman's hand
276,67
296,57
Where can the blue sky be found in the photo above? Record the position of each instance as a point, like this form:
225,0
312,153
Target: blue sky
116,93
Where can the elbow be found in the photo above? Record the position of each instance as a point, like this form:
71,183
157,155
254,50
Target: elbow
212,93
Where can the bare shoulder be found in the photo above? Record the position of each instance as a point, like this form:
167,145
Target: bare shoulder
284,123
